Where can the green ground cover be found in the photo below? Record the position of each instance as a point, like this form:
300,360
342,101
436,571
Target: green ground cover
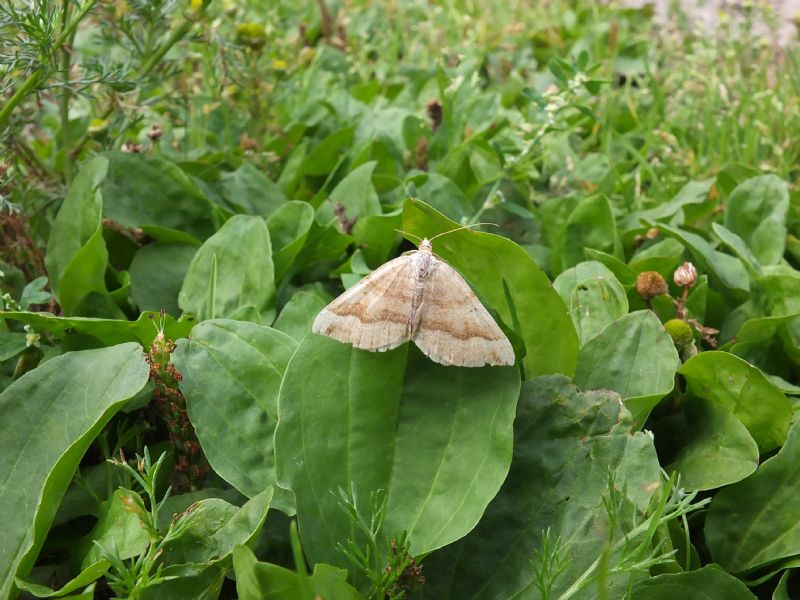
184,185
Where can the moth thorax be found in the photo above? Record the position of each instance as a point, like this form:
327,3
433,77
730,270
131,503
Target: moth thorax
422,261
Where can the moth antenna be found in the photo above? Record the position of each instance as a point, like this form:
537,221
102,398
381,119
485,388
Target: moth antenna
460,228
400,231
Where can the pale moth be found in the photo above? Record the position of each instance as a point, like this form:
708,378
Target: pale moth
421,298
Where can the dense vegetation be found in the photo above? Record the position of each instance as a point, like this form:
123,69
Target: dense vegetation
185,184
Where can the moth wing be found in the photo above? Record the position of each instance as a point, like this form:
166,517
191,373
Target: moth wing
374,313
454,327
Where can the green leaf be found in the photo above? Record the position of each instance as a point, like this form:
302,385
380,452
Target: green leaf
590,225
633,356
180,503
624,274
740,249
755,522
782,591
508,281
90,574
142,191
11,343
251,192
377,237
593,295
288,226
116,528
263,581
779,296
34,293
663,256
298,314
694,192
106,332
471,165
436,440
244,364
743,389
325,156
185,582
232,273
213,528
157,273
566,443
440,193
57,410
357,194
713,447
708,583
76,252
758,333
724,270
756,211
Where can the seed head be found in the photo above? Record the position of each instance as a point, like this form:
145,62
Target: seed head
680,332
650,284
155,132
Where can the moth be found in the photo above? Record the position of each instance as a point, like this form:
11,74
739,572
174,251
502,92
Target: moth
421,298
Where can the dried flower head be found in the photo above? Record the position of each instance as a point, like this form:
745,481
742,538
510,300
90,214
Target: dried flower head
154,133
435,113
650,284
132,148
685,275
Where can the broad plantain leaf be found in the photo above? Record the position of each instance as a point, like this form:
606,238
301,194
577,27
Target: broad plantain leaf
756,211
56,411
436,440
232,275
590,225
755,522
712,447
288,226
633,356
708,583
566,444
356,194
142,191
593,296
76,253
298,314
106,332
244,364
744,390
250,191
157,273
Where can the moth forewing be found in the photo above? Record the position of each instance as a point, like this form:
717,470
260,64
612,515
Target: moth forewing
455,328
373,314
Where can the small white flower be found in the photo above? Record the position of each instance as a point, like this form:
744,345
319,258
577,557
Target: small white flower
31,337
455,83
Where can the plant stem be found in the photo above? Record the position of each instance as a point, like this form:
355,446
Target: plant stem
40,73
22,91
177,35
65,97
